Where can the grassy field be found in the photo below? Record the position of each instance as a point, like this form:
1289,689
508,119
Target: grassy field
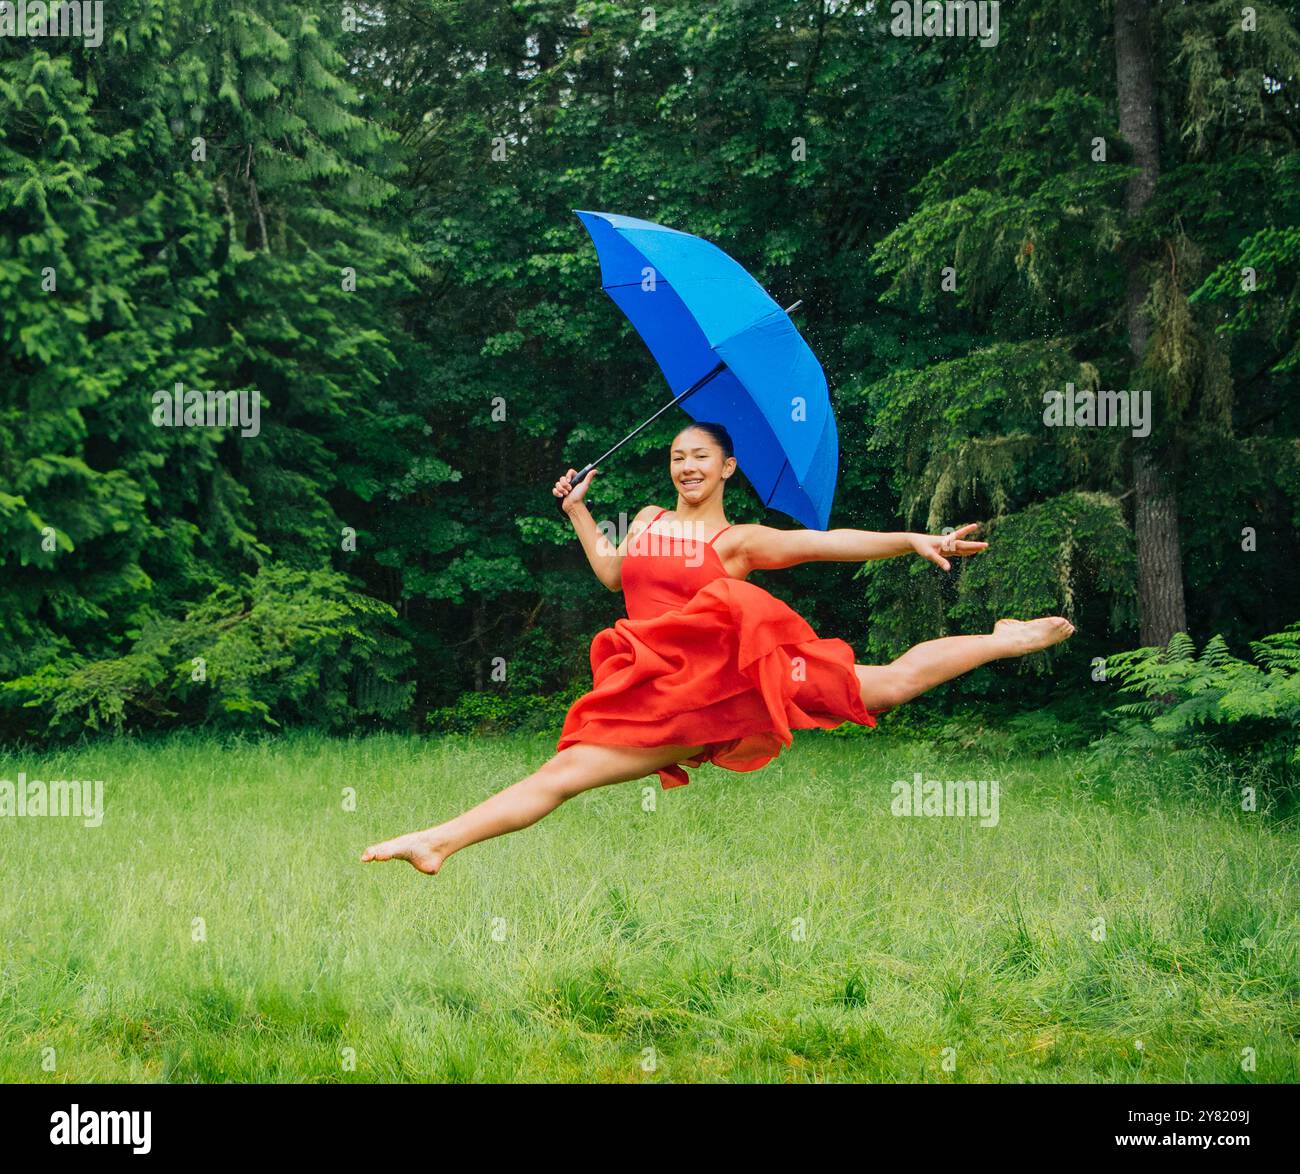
779,926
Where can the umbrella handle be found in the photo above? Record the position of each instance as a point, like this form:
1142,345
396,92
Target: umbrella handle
577,479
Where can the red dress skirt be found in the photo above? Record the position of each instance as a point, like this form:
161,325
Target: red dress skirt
707,660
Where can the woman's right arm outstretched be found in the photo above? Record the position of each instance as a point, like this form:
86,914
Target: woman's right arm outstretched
605,559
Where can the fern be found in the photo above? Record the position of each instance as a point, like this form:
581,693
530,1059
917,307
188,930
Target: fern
1181,699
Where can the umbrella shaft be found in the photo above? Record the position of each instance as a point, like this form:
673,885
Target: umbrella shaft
694,387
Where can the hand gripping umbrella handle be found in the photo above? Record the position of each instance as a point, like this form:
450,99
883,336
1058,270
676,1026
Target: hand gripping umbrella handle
576,480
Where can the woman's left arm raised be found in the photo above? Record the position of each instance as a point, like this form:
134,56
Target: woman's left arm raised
766,549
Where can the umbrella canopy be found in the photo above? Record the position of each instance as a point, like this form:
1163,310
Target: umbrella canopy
696,308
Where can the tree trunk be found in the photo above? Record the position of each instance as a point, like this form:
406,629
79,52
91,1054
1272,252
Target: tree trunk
1155,510
1160,558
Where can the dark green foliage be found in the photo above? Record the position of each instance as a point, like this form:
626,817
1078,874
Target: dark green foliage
285,646
495,713
410,427
1070,552
214,265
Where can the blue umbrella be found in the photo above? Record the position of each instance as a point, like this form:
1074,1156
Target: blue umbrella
729,353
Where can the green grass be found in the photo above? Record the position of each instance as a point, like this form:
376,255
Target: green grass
778,926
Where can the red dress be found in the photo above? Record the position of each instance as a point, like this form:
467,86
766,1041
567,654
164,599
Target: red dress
704,659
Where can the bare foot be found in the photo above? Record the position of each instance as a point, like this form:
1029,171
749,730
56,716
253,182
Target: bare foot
422,850
1025,636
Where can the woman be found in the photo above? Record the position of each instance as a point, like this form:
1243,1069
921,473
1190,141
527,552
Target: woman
708,667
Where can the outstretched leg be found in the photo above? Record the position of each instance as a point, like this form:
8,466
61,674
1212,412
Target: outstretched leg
927,665
573,770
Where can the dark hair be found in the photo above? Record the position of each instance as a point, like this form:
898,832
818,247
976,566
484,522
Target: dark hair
717,433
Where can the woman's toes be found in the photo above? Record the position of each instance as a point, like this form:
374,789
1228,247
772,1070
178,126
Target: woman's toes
1060,629
383,851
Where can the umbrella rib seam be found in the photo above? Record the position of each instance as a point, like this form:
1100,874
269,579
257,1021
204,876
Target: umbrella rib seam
785,464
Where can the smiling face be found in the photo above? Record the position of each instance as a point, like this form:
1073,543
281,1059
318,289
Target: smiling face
698,466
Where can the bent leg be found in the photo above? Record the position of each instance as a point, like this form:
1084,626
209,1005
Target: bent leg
573,770
921,668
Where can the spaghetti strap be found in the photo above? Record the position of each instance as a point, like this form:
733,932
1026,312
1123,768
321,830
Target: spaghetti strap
710,542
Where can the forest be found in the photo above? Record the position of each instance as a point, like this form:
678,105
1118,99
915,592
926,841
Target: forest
362,217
